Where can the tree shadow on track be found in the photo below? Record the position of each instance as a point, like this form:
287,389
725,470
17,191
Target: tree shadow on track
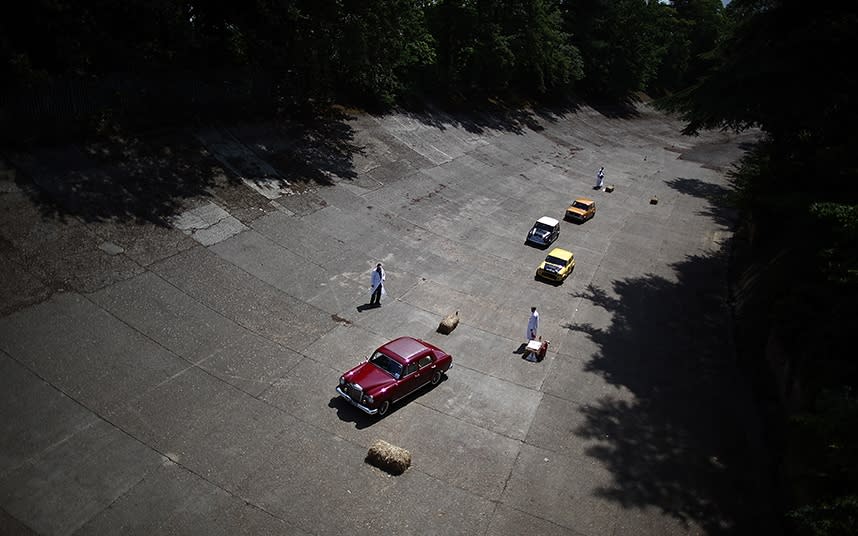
315,152
150,177
685,443
717,196
490,116
117,178
616,110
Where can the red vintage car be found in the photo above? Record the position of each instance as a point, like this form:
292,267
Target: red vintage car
392,372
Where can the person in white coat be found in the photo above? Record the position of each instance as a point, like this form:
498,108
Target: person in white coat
600,178
532,325
377,286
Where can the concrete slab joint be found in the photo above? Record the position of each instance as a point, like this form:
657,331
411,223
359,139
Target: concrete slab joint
208,224
224,359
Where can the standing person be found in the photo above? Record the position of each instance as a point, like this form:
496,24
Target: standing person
532,324
377,286
600,178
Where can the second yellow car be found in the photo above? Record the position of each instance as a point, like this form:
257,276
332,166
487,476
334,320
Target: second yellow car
557,265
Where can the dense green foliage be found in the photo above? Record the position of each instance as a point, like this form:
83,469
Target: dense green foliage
365,52
783,66
618,40
492,47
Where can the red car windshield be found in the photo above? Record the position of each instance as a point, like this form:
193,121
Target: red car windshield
385,363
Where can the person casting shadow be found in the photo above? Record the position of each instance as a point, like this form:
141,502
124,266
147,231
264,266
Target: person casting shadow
377,286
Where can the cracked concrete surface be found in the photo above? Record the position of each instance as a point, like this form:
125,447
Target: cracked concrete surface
175,374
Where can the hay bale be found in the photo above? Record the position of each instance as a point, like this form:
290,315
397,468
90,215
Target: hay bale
609,188
395,460
653,200
449,323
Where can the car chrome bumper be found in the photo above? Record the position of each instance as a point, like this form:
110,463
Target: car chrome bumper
355,404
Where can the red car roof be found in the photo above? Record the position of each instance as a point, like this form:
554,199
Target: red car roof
405,349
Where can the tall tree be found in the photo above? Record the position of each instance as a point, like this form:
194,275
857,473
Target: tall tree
785,67
381,47
688,31
703,25
546,60
618,40
495,46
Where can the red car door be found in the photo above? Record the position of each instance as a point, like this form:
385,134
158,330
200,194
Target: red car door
412,379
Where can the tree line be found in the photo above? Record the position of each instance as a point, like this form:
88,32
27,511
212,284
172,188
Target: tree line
783,66
372,53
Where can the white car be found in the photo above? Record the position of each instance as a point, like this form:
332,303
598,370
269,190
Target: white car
544,232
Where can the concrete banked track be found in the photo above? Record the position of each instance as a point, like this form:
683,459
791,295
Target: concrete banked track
177,308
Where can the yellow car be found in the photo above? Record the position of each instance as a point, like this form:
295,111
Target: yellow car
581,210
557,265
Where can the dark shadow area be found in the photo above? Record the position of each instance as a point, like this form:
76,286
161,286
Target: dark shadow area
551,282
306,154
479,117
718,197
515,116
61,108
533,357
117,175
612,109
720,155
555,110
348,413
134,179
714,193
367,306
149,177
685,444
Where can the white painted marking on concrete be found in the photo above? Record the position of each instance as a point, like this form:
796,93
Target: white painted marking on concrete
419,145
